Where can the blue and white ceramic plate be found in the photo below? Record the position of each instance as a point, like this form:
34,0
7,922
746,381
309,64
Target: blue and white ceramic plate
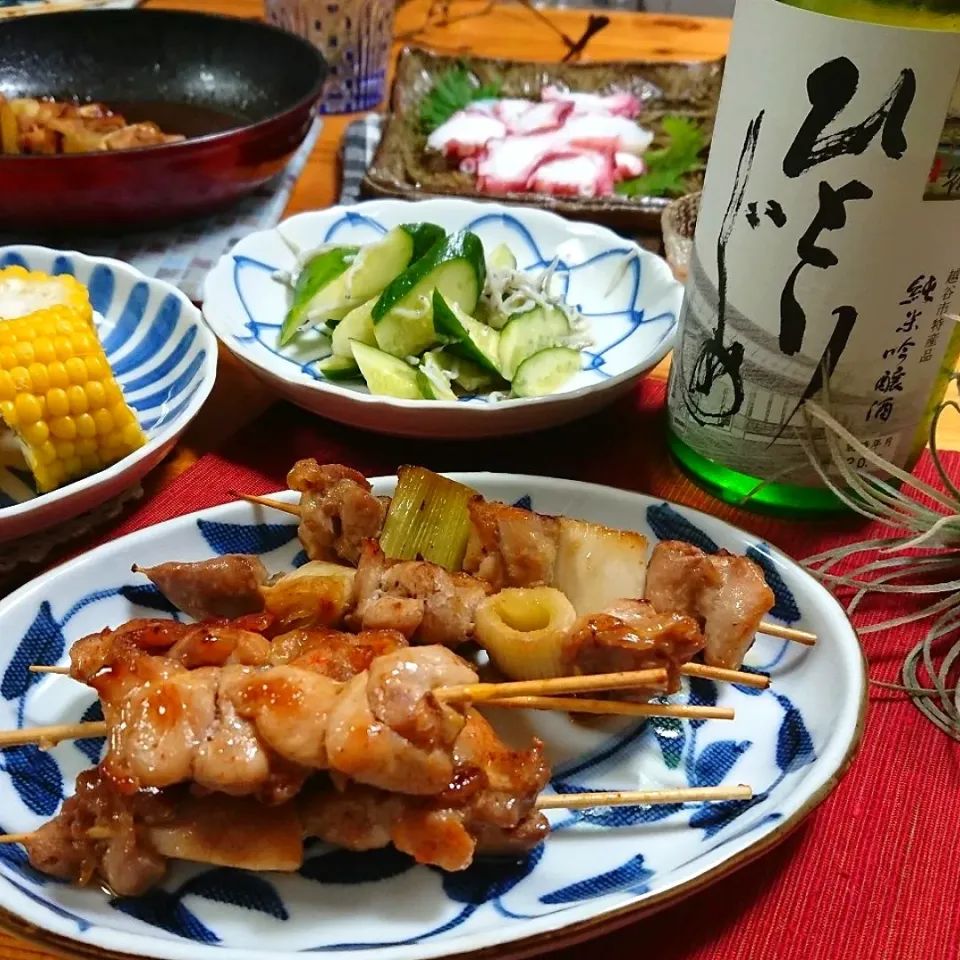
791,743
628,294
164,358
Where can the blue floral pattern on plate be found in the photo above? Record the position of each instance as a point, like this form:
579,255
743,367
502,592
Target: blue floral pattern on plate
595,861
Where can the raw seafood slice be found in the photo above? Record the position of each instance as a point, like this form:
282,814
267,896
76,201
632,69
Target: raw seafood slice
627,165
587,173
508,163
618,104
601,131
465,133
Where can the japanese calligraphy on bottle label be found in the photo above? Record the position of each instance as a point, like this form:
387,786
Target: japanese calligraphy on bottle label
819,256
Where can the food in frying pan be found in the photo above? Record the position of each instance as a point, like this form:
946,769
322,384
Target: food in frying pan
48,126
59,400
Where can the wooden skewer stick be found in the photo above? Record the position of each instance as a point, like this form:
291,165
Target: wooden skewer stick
94,833
40,668
759,680
558,801
788,633
771,629
480,692
291,508
619,798
53,734
615,707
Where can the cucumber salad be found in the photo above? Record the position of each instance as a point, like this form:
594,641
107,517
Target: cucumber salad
425,315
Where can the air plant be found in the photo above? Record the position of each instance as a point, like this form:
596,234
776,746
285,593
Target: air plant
923,561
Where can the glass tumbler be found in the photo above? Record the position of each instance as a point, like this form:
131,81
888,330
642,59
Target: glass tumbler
354,37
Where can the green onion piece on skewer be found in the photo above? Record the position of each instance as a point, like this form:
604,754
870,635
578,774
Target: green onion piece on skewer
428,519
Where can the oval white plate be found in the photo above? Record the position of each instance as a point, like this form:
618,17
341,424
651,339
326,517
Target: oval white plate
164,357
632,324
791,743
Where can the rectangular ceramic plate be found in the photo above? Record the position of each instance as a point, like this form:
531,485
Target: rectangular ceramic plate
402,168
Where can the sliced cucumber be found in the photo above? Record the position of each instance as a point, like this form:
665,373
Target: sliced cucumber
379,263
403,316
546,371
502,258
386,376
433,388
528,333
356,325
474,340
466,374
425,236
339,368
319,290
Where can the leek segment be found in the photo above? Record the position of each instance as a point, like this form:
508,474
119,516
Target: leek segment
428,519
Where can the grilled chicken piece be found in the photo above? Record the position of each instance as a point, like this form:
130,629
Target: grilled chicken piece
389,731
510,546
488,806
337,510
227,586
728,594
631,635
423,601
290,707
244,730
103,655
340,656
126,862
316,594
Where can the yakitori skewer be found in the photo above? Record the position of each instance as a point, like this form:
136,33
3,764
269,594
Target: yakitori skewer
793,634
558,801
52,735
600,681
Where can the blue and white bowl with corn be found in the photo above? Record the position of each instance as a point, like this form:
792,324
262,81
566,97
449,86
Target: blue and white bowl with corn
101,370
444,318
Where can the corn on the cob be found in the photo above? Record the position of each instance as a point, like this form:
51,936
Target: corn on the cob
59,397
23,291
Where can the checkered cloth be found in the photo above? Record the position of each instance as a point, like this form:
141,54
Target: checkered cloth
359,144
184,253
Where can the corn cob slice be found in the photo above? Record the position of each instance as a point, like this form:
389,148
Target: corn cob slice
60,398
23,292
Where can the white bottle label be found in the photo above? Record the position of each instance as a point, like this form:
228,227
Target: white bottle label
825,245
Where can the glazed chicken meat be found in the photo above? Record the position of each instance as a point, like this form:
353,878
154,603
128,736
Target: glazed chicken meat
727,594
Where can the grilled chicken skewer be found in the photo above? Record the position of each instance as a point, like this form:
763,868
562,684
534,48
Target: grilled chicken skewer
125,841
234,713
510,546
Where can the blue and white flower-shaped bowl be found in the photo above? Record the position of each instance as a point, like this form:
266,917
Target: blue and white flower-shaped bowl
629,296
164,358
599,867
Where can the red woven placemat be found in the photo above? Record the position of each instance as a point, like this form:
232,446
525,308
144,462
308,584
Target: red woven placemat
872,874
